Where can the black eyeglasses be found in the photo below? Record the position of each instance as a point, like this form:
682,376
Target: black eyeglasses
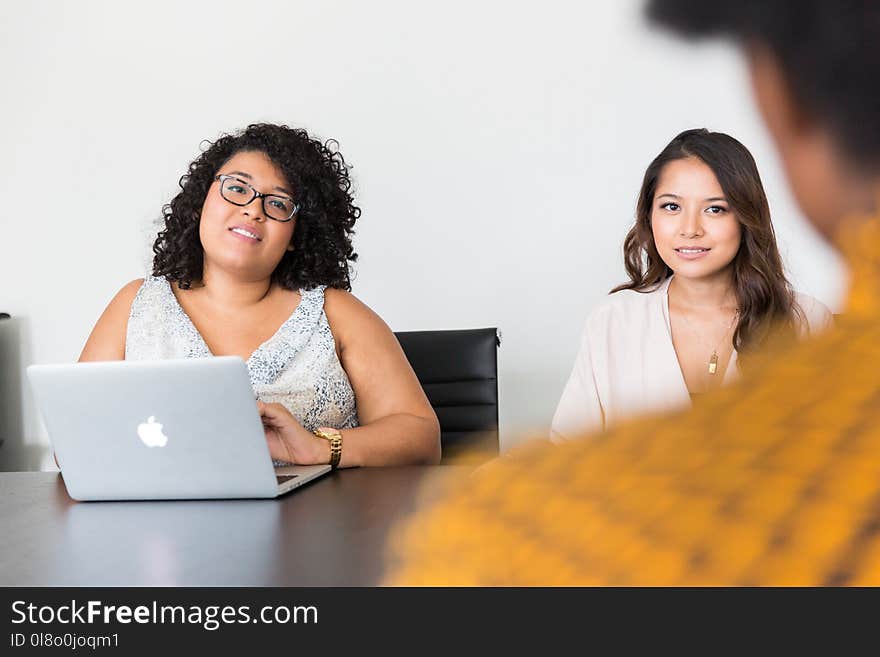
238,192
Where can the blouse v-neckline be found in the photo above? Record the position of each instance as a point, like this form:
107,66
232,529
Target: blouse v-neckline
268,360
199,339
667,317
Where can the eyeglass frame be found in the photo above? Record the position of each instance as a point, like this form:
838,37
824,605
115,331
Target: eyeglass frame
223,177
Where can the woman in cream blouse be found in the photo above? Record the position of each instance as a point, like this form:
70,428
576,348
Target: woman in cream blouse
706,286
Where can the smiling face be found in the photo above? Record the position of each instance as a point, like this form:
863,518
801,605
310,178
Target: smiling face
242,239
696,232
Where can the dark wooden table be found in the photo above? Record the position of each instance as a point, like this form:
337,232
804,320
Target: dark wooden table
332,532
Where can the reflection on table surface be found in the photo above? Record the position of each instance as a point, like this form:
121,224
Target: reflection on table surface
330,532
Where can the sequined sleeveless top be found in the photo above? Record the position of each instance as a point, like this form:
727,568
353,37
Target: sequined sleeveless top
297,367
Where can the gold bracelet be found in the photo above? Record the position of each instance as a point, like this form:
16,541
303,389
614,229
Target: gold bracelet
335,439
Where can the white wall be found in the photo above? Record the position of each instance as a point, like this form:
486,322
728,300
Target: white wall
497,148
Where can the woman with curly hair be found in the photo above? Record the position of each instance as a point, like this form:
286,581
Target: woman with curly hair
253,261
706,287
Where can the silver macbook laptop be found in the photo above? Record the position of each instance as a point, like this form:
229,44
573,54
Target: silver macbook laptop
160,430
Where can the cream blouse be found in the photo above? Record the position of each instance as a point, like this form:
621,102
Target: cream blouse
627,364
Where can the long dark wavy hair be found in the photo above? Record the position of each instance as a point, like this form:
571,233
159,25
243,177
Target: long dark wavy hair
764,296
318,174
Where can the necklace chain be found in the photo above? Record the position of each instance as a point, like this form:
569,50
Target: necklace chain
713,359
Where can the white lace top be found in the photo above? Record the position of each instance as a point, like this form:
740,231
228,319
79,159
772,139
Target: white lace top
297,367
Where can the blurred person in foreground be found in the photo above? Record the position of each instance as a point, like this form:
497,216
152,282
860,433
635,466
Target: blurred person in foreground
774,480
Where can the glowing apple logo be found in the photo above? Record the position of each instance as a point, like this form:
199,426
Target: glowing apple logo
150,432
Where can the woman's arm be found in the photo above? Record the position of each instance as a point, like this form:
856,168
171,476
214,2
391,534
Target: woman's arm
107,340
817,318
579,411
398,425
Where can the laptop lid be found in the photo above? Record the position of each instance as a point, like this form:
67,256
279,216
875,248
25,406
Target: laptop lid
165,429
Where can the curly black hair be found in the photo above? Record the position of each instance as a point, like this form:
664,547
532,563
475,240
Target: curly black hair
324,223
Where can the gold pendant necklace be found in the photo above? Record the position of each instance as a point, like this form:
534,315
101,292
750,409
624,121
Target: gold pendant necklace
713,359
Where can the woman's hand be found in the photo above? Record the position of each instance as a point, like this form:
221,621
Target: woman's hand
288,440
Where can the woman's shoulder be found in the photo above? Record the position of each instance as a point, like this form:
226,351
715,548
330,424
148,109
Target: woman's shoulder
349,315
338,301
126,295
815,314
121,305
107,340
626,305
149,294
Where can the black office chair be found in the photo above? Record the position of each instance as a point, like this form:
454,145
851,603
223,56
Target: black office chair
459,372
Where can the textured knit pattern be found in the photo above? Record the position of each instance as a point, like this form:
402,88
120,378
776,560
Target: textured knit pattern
774,480
297,367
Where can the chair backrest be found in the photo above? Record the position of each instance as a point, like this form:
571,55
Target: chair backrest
459,372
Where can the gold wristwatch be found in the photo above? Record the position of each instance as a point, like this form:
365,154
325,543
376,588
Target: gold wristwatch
335,439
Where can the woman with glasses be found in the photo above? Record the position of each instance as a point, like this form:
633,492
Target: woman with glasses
253,261
706,287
